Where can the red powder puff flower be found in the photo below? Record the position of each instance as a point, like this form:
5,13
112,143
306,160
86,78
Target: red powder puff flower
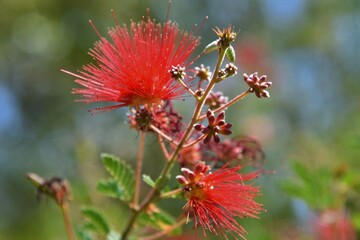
216,199
334,225
133,68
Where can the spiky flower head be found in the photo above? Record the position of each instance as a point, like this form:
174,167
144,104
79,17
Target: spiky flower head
226,36
133,68
216,199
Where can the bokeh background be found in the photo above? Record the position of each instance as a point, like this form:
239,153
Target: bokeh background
310,50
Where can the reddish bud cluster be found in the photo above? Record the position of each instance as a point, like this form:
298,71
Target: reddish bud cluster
229,70
258,84
163,118
216,126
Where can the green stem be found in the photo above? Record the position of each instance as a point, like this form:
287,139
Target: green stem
168,166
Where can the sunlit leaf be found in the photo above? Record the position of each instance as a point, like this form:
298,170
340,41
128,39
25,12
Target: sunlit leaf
147,179
123,176
211,47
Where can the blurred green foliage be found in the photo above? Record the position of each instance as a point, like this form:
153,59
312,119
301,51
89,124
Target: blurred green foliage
309,49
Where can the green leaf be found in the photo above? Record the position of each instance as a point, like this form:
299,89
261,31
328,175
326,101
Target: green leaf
111,188
162,181
211,47
230,54
122,173
158,219
113,235
95,220
147,179
83,234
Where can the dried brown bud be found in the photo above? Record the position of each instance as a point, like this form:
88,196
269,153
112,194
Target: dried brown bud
56,187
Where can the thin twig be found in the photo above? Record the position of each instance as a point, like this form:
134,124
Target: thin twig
163,147
170,193
165,231
195,141
158,131
234,100
186,87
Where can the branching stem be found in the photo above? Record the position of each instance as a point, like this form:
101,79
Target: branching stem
154,192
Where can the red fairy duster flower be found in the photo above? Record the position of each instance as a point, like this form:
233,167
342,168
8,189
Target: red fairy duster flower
216,199
334,224
133,68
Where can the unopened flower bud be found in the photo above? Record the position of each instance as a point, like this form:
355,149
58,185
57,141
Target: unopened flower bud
181,179
188,173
